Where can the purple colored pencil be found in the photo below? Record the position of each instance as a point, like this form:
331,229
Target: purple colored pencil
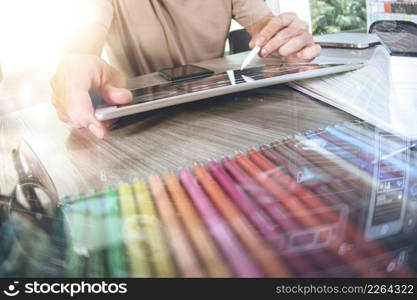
260,220
278,213
230,246
275,210
258,217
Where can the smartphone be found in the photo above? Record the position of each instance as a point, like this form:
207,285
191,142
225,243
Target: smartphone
185,72
389,194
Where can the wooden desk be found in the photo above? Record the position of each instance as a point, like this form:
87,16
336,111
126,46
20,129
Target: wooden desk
159,141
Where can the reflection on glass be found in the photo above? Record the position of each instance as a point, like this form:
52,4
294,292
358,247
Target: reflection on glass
339,201
225,79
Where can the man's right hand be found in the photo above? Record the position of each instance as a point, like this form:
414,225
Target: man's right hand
76,75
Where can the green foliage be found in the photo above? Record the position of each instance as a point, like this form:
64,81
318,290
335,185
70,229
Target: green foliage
330,16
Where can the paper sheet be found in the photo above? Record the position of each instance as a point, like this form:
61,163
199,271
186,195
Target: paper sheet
370,93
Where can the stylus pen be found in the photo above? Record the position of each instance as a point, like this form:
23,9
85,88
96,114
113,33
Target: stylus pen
250,57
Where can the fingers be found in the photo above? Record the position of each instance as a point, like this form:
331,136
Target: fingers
284,37
276,24
97,129
310,52
287,35
80,113
296,44
116,96
75,77
113,88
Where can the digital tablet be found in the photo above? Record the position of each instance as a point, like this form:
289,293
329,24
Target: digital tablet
174,93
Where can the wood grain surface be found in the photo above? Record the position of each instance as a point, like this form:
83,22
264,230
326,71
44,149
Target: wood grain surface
154,142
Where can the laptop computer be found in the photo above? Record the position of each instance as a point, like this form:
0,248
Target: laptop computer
347,40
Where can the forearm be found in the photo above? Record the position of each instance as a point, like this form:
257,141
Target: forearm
87,39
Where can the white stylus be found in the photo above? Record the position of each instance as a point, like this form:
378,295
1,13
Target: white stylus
249,58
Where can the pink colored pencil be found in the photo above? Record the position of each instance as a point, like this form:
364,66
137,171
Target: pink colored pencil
258,217
242,263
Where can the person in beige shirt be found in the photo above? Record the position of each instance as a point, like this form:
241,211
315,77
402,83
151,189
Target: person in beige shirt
143,36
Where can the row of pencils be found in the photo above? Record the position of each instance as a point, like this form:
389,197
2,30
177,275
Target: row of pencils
293,208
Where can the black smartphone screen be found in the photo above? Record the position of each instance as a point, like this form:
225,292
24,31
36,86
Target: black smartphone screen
185,72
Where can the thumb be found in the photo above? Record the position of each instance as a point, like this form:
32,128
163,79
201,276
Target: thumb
114,89
80,112
97,128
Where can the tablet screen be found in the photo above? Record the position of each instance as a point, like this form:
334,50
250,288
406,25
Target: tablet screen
229,78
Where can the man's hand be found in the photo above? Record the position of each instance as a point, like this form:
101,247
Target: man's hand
78,74
285,34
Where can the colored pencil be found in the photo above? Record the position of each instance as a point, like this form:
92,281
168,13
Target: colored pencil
325,158
132,233
289,183
348,158
283,155
242,263
115,252
260,219
77,254
339,138
263,199
272,264
369,150
353,257
96,236
160,256
187,263
331,197
311,202
207,250
289,200
304,194
287,203
360,158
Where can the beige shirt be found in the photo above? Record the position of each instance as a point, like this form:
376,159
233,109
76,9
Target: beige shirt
148,35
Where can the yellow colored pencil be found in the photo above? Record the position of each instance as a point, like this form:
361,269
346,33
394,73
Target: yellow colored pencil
138,261
160,256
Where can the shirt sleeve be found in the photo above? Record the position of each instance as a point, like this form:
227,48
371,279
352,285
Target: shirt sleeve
248,12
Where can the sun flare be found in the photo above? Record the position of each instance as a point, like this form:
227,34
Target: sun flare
33,33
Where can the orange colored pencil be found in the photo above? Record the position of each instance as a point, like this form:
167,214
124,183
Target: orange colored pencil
294,206
290,184
288,200
370,248
200,237
272,265
181,248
